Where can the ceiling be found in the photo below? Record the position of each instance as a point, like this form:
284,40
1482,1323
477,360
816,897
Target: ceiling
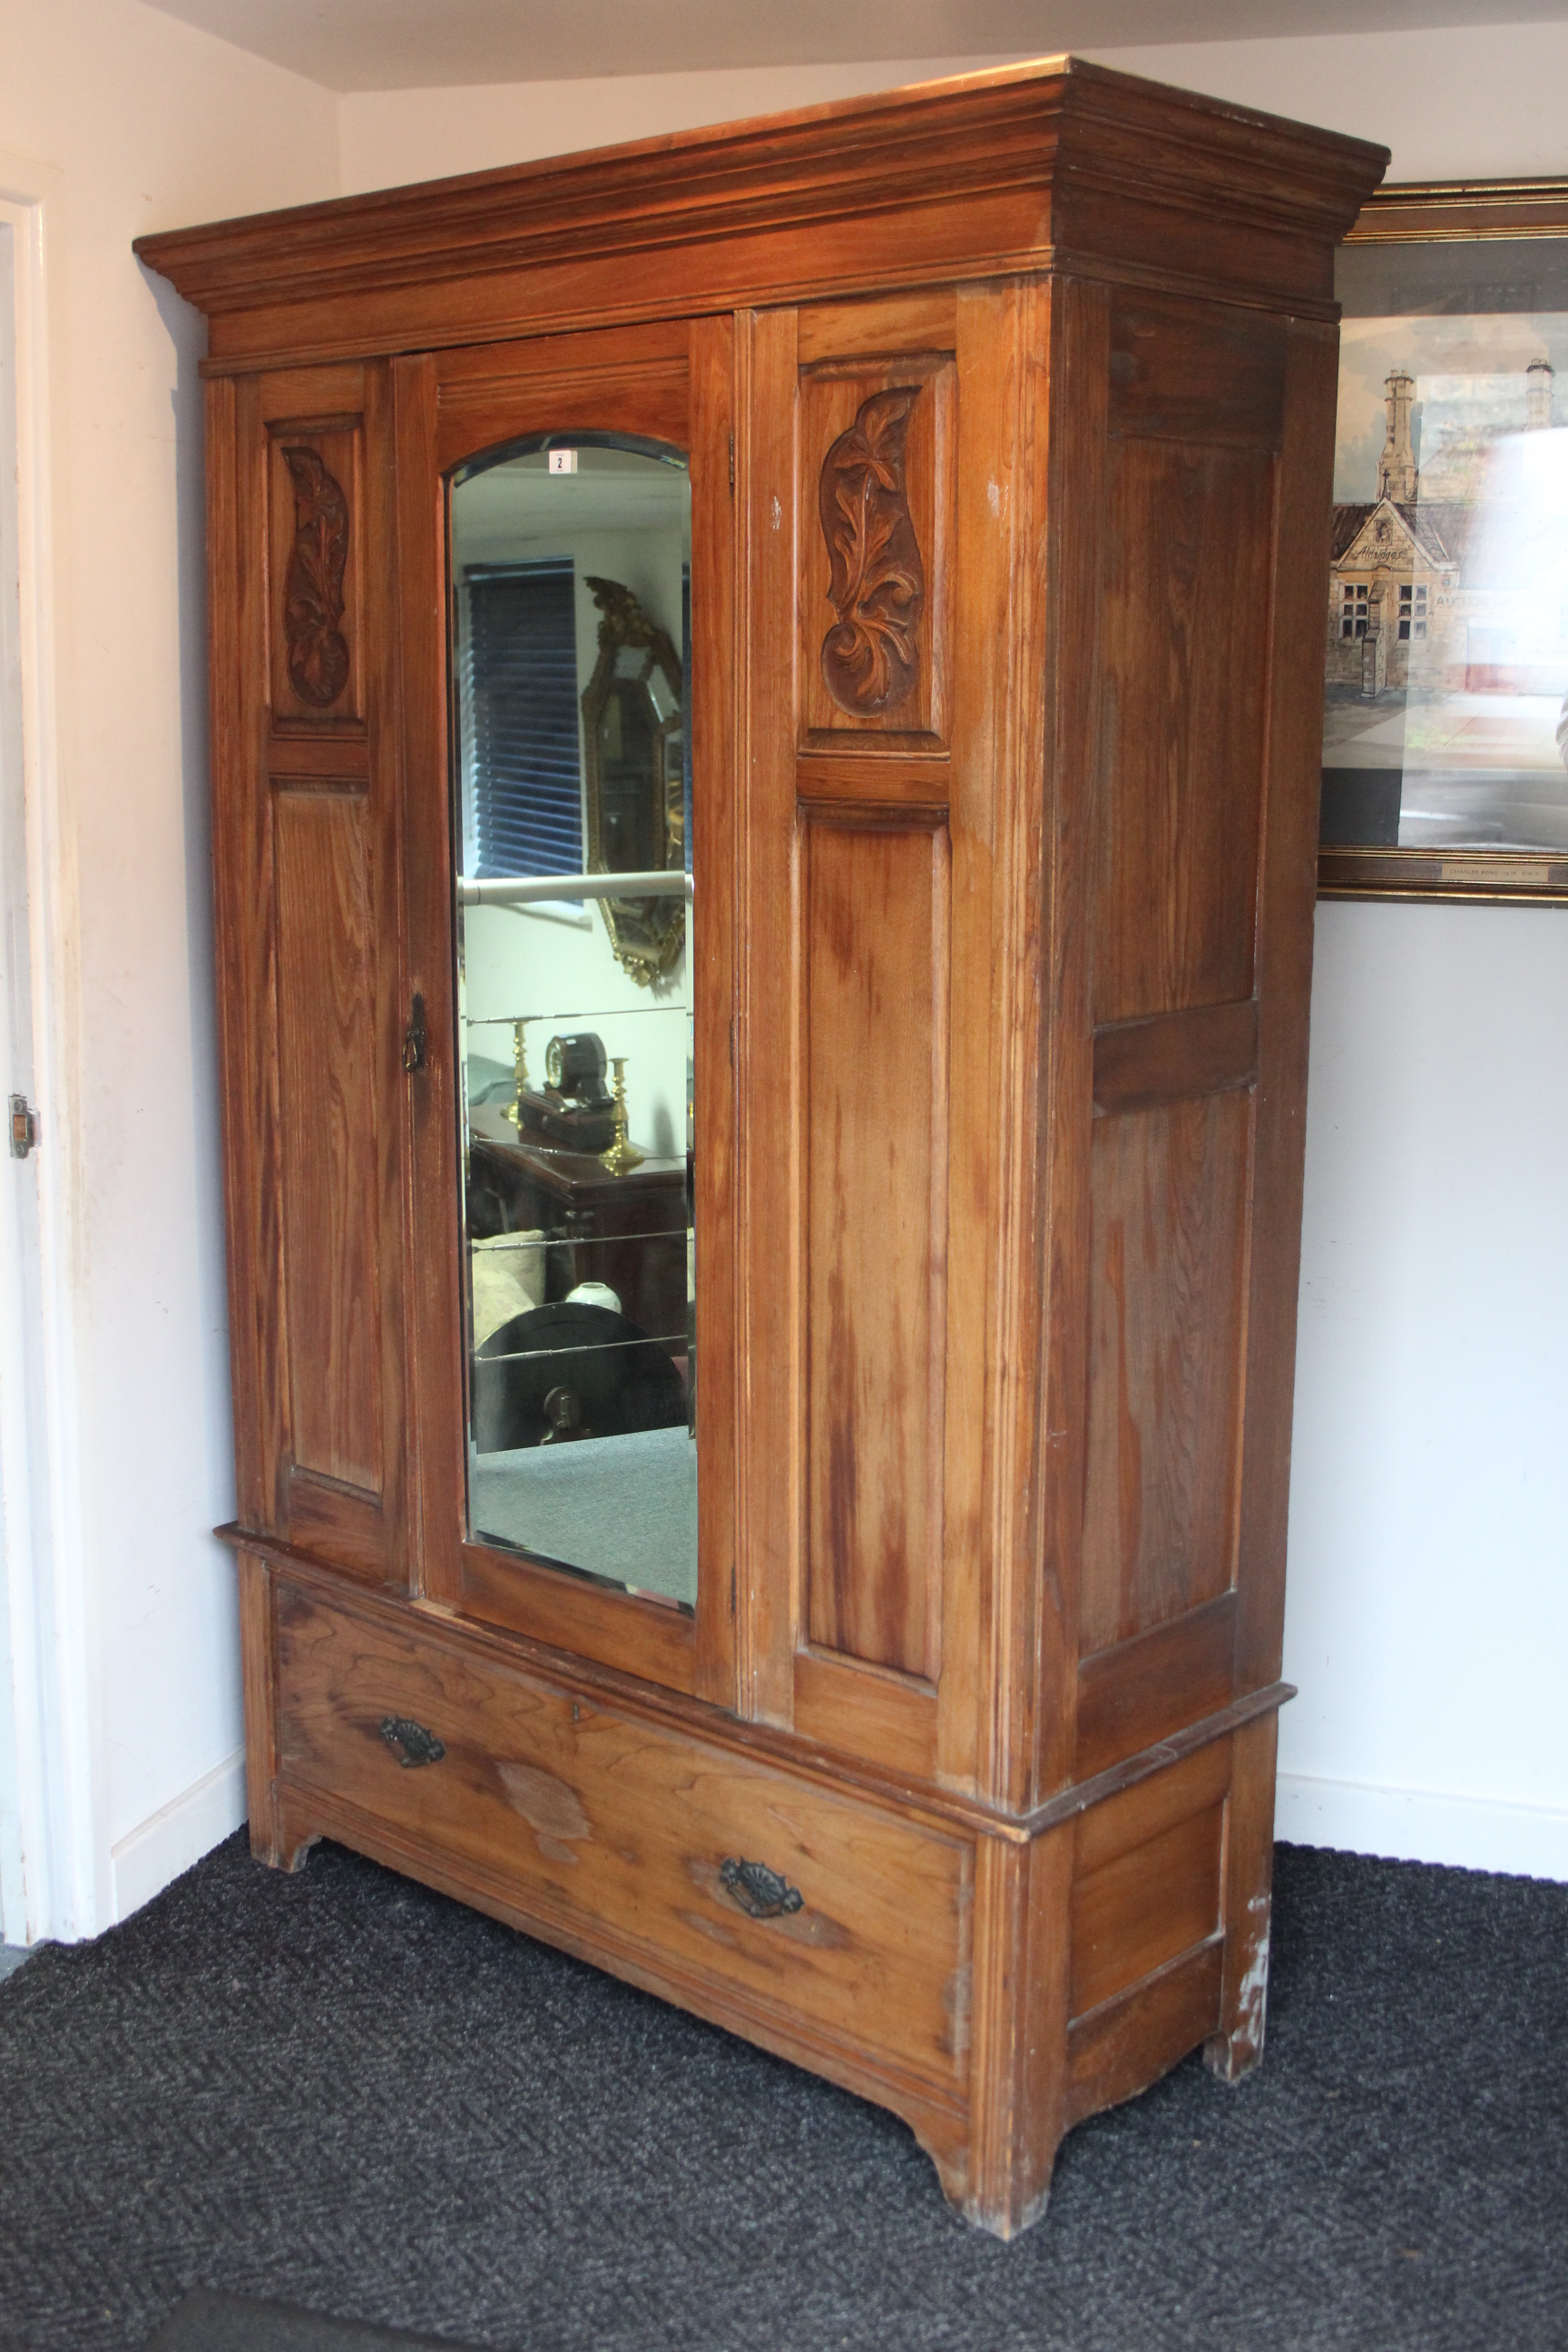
362,45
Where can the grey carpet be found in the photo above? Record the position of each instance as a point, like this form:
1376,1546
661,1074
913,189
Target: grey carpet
621,1507
206,2321
342,2092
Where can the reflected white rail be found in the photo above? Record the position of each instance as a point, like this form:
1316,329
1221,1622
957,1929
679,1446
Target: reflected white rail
531,890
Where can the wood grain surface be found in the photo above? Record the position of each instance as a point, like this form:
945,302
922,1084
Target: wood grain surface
1168,1271
1167,1056
1186,569
326,1012
875,916
1136,1693
1148,1908
602,1820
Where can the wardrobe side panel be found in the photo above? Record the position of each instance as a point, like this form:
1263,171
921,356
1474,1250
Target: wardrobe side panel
1188,506
1287,903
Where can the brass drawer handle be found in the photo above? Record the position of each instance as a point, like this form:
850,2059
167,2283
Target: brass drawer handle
758,1890
410,1742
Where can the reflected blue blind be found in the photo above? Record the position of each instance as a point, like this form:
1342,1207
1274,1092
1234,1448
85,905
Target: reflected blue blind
520,692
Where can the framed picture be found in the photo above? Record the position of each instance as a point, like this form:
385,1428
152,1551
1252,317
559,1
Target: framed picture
1446,619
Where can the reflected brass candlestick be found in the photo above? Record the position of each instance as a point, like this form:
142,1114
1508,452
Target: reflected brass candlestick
623,1152
519,1076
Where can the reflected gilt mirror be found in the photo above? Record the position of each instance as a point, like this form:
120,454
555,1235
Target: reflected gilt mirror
634,776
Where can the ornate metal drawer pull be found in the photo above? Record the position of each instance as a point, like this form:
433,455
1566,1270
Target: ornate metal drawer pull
758,1890
410,1742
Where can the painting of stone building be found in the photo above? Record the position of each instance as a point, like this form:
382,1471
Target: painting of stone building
1446,632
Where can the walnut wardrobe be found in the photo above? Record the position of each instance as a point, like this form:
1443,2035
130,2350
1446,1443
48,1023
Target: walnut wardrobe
838,1587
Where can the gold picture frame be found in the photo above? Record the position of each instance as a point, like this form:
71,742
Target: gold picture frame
1446,614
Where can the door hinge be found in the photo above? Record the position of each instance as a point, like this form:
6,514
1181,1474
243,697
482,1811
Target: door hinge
24,1127
414,1037
731,465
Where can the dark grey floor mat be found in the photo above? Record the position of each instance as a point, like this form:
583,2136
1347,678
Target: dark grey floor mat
204,2321
342,2091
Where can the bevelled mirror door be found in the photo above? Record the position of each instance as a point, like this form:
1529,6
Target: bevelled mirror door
570,571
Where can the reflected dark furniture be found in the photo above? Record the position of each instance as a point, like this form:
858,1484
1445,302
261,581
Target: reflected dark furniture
628,1231
572,1371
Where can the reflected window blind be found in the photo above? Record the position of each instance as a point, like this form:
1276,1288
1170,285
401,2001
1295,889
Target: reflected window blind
519,697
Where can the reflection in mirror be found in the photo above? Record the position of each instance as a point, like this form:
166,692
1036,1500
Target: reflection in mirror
634,737
570,571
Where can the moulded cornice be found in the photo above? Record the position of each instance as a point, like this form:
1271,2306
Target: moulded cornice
1048,152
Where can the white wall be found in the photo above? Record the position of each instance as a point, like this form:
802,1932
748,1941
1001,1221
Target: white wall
135,121
1448,104
1427,1618
1429,1612
389,136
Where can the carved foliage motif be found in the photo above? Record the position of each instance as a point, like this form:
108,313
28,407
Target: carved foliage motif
313,589
871,660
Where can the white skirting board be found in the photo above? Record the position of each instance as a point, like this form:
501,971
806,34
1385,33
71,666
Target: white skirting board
1423,1825
178,1834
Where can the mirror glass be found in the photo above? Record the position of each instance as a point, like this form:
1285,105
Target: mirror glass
570,672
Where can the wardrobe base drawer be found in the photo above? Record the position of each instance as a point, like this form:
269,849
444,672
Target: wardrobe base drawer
626,1839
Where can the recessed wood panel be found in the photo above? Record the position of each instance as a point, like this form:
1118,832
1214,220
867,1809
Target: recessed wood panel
923,321
1195,373
1139,1065
890,1718
326,1007
1144,1909
875,457
874,956
1167,1275
315,535
1130,2042
648,396
1144,1690
1150,1807
1186,558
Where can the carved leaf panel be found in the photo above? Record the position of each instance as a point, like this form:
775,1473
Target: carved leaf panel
313,593
318,651
875,528
871,656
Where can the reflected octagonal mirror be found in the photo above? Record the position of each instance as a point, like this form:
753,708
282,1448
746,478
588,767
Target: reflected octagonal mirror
634,760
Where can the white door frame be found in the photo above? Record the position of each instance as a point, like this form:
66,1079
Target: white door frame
54,1883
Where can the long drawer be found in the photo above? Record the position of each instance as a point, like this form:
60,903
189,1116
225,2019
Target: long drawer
615,1831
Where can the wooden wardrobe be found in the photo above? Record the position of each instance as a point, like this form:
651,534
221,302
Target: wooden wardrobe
1007,410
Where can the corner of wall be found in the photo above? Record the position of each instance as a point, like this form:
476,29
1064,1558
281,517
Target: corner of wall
178,1834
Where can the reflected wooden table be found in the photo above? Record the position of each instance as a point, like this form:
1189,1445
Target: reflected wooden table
627,1230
